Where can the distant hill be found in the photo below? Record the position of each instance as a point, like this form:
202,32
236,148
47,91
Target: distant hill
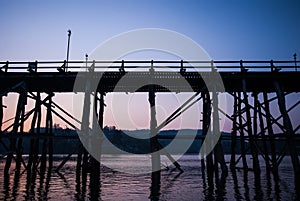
132,141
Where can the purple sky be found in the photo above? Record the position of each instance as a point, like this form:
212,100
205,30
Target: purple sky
227,30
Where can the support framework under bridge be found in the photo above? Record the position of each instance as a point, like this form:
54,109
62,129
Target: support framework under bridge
253,86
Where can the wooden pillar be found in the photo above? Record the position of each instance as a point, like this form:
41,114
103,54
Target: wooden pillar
78,169
84,173
154,146
233,133
50,132
242,135
101,110
20,109
32,141
1,113
255,114
38,131
206,130
36,141
49,121
289,132
95,163
21,103
82,161
252,140
270,135
86,110
19,151
204,123
263,133
218,150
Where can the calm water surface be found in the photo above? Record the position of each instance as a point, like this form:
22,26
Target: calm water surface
115,185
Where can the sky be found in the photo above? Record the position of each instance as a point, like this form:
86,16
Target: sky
227,30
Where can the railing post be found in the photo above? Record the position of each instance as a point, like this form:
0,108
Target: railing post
212,66
182,70
92,68
121,69
272,66
65,66
241,65
295,60
6,66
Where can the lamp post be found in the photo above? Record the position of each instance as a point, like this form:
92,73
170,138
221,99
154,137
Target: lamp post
69,36
86,62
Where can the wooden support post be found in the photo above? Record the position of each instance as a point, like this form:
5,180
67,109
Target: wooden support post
35,161
49,121
253,149
39,114
95,163
86,110
218,151
205,131
12,149
1,113
154,146
49,130
270,135
78,167
204,123
47,146
21,103
38,131
263,133
233,133
289,132
84,168
255,115
43,158
242,135
33,144
85,127
101,110
19,151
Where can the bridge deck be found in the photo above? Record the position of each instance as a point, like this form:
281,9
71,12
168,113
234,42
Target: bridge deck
64,82
126,76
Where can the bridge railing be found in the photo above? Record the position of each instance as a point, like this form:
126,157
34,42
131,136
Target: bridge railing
139,65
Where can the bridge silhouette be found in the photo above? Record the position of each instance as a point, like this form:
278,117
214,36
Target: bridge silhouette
55,76
249,83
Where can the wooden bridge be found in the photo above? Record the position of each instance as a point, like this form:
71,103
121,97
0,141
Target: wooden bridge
249,83
56,77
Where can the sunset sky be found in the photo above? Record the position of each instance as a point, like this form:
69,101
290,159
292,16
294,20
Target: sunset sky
227,30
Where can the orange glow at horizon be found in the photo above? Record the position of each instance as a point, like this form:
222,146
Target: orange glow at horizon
137,108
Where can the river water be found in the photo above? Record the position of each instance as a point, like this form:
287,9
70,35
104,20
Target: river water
115,185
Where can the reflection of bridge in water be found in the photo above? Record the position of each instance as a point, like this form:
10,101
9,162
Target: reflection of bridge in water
253,86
